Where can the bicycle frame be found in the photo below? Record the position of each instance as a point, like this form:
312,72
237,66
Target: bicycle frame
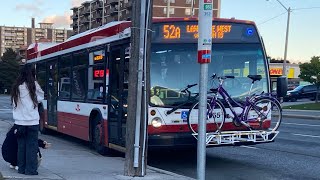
225,95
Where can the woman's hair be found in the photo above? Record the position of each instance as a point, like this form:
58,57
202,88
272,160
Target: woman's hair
27,75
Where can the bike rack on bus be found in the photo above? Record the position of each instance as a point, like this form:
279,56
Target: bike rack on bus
239,137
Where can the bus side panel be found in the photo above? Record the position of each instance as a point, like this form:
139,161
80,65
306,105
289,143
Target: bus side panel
73,118
74,125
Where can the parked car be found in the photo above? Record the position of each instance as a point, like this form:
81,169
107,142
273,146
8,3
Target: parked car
300,92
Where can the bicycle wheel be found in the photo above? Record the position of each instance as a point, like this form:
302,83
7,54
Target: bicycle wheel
215,117
264,114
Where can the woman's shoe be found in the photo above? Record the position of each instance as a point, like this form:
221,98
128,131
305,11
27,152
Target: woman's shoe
14,167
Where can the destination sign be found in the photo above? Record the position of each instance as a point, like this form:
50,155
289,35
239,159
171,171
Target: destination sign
188,32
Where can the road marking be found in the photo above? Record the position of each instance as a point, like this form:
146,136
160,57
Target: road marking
249,147
305,135
311,125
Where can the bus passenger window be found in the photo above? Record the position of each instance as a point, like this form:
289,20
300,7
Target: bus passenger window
64,77
41,76
79,76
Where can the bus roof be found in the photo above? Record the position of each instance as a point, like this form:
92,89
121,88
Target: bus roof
107,33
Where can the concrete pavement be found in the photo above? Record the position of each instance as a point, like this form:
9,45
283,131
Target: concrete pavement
71,160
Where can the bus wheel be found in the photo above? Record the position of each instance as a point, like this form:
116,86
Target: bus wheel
97,140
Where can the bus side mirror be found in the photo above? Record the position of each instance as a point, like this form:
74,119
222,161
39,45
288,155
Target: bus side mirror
282,86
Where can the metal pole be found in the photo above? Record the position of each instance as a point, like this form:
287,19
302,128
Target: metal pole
168,8
78,20
204,57
192,6
119,3
90,15
103,8
139,84
145,104
284,71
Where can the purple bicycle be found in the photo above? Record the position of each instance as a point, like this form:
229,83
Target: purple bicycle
257,112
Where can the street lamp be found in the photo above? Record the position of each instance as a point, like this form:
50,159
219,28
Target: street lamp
284,69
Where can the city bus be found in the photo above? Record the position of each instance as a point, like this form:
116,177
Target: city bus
85,78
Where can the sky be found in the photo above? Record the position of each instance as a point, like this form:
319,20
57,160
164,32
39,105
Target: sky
304,34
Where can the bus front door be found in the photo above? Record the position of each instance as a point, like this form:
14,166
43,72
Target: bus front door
52,93
118,93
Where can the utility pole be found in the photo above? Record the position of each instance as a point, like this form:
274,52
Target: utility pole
136,130
168,8
284,68
204,57
284,73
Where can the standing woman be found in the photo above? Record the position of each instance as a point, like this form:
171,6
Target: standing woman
25,96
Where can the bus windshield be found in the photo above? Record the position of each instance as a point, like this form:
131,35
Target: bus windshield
174,66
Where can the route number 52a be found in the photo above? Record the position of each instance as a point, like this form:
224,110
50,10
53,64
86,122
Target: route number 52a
171,32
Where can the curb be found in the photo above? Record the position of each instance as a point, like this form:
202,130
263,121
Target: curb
301,116
169,173
301,110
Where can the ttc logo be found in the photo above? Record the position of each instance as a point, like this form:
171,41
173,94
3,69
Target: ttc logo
78,108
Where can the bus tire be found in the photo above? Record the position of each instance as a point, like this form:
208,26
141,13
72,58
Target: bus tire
96,136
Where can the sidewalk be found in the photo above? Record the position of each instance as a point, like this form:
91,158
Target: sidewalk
73,161
306,114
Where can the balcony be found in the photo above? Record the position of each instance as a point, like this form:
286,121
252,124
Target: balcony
128,5
113,11
98,6
110,19
74,16
85,12
113,2
85,21
74,24
126,17
97,15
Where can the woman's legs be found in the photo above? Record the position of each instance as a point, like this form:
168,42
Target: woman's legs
32,150
27,151
21,154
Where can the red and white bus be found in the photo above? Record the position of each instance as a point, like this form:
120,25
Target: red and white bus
86,78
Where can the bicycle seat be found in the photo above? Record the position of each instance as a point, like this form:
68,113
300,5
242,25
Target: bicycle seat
214,90
255,77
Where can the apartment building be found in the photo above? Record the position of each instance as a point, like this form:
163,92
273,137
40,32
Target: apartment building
92,14
181,8
21,37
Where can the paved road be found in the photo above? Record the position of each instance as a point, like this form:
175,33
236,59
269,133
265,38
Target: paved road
5,108
294,155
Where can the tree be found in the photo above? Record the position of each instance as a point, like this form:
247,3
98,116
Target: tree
273,60
310,72
9,69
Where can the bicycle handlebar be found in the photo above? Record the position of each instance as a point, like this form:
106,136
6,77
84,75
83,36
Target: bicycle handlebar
222,77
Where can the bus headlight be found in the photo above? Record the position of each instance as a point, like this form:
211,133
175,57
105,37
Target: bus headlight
156,122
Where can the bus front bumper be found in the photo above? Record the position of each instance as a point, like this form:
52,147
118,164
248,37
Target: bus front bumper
171,140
